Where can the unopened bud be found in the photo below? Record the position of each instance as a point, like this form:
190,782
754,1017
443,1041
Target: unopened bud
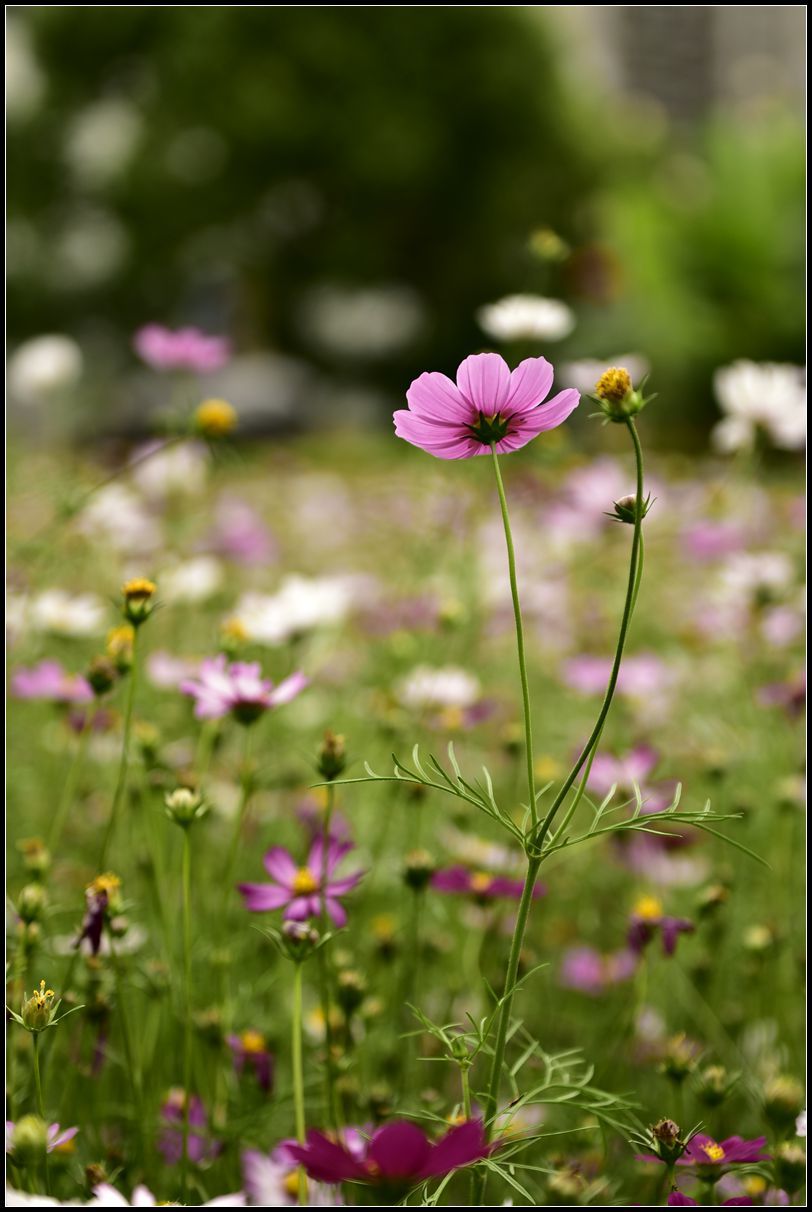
790,1166
185,806
36,856
300,938
215,419
32,902
617,396
139,600
29,1141
668,1145
120,647
332,756
418,868
101,674
350,991
784,1099
626,509
713,1084
39,1009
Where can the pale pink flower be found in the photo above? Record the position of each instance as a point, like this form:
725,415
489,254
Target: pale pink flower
239,689
182,349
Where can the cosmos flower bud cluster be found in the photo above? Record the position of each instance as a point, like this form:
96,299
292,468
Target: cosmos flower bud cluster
616,395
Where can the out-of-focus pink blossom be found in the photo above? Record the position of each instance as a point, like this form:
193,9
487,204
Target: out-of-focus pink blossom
181,349
48,680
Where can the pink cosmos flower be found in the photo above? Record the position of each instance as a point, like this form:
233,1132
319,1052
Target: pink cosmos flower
587,971
677,1200
633,767
182,349
271,1180
481,885
397,1155
488,405
240,689
650,920
299,889
50,681
250,1048
201,1147
704,1152
57,1137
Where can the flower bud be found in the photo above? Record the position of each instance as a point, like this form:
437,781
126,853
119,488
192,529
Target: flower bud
790,1166
680,1059
120,647
29,1141
215,419
616,395
626,509
300,938
101,674
32,902
666,1139
784,1099
566,1187
418,868
233,637
36,857
712,898
350,991
332,757
95,1175
185,806
139,600
713,1084
39,1009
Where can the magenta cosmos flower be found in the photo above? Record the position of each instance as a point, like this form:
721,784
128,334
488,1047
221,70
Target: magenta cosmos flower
707,1155
182,349
648,919
50,681
250,1048
677,1200
488,406
481,885
299,889
238,689
397,1155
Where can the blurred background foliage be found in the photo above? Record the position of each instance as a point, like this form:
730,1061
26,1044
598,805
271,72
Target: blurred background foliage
251,170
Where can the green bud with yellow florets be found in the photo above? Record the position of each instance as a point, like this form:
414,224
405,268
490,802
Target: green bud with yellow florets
616,395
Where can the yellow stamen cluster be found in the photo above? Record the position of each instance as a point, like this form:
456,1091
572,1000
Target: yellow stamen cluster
714,1152
614,384
215,418
293,1184
44,997
480,881
108,882
252,1041
139,589
38,1009
304,882
648,908
234,630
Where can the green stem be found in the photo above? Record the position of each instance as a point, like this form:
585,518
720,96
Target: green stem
69,786
466,1091
121,780
186,881
333,1109
631,596
247,786
298,1069
517,615
129,1052
40,1104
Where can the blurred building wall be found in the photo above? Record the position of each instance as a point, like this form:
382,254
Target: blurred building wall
689,57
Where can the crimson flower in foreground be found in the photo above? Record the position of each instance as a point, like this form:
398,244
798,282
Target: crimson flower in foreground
489,405
397,1155
481,885
677,1200
299,889
238,689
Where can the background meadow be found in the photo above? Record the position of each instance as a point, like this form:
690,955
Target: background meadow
340,193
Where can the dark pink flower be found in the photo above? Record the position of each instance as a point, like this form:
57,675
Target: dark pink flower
181,349
50,681
170,1141
632,768
488,405
398,1155
703,1152
481,885
677,1200
239,689
648,919
250,1048
299,889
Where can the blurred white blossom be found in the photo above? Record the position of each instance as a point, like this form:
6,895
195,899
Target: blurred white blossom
194,580
119,516
178,469
766,396
43,368
526,317
63,613
362,323
25,83
101,140
300,605
443,687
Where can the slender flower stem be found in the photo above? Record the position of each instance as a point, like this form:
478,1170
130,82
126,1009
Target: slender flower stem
121,780
129,1052
247,787
333,1108
186,881
71,781
298,1070
40,1103
631,597
517,615
466,1091
537,835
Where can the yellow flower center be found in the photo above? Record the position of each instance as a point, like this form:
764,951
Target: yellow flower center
547,767
304,882
648,908
139,589
715,1152
294,1182
234,629
614,384
452,718
755,1186
252,1041
215,418
105,883
480,881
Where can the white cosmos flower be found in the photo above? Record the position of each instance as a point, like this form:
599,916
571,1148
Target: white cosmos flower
179,469
448,686
43,368
108,1196
63,613
194,580
118,516
770,396
519,317
300,605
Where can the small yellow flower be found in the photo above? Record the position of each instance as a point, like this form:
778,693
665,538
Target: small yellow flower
120,646
480,882
215,418
108,883
754,1185
139,597
252,1041
39,1009
614,384
648,908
